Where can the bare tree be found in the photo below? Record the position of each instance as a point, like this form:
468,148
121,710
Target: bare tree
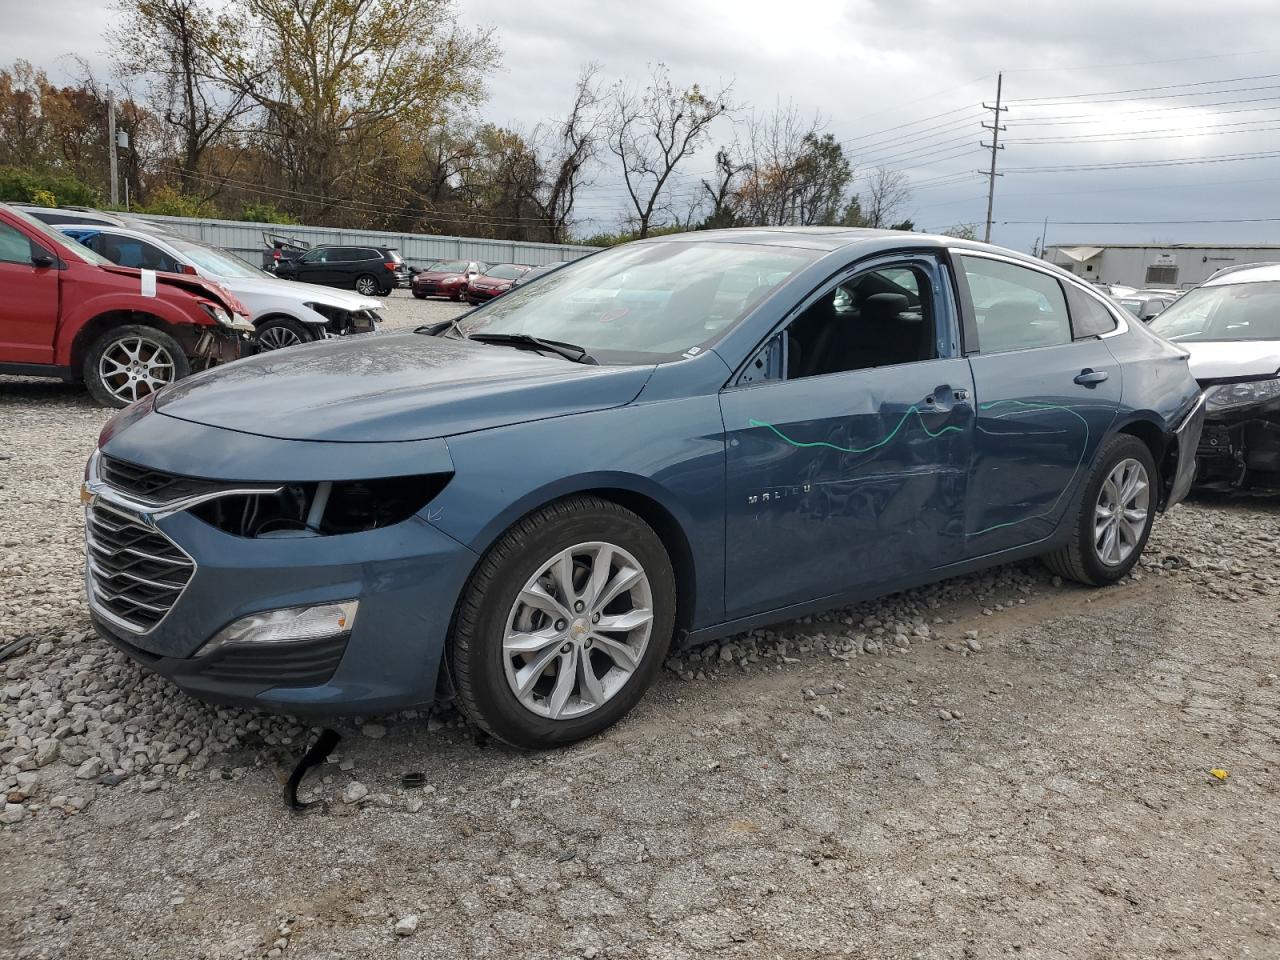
722,193
573,148
652,131
887,191
962,231
167,42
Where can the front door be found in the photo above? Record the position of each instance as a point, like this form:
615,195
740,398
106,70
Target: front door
848,466
1045,399
28,300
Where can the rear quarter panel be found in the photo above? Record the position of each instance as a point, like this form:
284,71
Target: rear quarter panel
1158,385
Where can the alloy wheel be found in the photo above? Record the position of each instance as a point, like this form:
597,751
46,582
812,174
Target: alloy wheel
366,286
578,630
133,367
273,338
1120,516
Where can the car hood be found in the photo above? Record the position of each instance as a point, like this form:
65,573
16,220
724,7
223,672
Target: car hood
393,388
1216,360
258,287
439,275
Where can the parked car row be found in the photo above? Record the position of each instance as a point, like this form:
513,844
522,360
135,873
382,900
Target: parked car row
270,313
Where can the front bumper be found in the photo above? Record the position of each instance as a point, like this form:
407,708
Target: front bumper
475,296
407,578
1240,448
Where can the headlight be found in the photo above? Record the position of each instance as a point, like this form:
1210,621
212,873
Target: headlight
288,625
1227,396
217,313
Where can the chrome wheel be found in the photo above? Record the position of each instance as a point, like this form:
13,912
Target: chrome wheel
578,630
275,337
367,286
1120,517
133,367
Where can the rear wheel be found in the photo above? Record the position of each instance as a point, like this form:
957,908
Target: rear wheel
131,362
1117,509
367,285
564,624
280,332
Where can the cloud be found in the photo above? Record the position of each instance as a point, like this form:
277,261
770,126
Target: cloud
870,65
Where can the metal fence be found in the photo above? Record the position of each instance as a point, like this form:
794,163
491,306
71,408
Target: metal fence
416,248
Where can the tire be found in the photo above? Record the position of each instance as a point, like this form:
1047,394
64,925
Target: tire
280,332
130,362
1092,556
367,285
455,296
486,673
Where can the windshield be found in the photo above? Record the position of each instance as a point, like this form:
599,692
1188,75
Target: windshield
1229,311
643,302
506,271
60,240
1133,306
219,263
449,266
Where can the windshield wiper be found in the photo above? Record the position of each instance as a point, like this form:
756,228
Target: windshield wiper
570,351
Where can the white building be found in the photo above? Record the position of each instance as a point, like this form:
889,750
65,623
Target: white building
1172,265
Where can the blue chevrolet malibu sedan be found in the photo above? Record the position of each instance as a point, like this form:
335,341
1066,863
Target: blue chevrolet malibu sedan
676,438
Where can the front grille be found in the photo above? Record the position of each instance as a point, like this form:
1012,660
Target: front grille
136,573
154,485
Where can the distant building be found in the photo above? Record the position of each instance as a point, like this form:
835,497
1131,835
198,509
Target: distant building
1171,266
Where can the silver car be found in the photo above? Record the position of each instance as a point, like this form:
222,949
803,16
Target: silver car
284,313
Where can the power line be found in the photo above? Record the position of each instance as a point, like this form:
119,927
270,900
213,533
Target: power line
1170,86
1137,63
1142,223
1163,96
1093,117
1163,133
1140,164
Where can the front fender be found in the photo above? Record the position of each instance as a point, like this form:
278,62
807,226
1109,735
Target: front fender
671,453
80,312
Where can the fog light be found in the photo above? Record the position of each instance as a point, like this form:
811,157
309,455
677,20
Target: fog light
288,625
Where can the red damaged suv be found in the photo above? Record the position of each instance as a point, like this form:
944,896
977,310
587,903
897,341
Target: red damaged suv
66,312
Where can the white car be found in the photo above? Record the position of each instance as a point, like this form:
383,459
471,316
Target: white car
284,313
1230,326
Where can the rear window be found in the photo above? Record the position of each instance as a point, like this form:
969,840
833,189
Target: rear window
394,254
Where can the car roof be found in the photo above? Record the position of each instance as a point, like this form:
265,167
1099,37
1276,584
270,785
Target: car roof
831,239
1256,274
151,236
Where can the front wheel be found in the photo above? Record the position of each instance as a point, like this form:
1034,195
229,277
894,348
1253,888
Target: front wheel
281,332
131,362
564,624
1117,509
367,285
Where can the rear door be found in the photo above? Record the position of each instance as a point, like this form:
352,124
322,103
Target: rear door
28,299
1046,395
849,442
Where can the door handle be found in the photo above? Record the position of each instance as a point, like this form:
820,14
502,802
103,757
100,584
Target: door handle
1090,378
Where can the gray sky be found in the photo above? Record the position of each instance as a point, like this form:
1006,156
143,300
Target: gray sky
876,68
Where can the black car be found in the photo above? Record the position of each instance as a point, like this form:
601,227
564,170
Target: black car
372,271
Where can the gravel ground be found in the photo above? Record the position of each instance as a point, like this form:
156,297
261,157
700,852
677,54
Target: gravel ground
999,765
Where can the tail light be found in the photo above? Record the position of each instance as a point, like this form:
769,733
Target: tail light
390,265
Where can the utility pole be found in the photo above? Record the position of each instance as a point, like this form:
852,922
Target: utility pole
110,146
995,145
1044,232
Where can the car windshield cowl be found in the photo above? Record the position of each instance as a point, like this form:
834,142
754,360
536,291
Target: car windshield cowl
643,302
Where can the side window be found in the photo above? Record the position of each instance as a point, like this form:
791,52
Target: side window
876,318
153,258
1016,308
14,246
1089,318
314,256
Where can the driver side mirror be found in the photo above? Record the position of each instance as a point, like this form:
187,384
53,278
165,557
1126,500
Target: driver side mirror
41,260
